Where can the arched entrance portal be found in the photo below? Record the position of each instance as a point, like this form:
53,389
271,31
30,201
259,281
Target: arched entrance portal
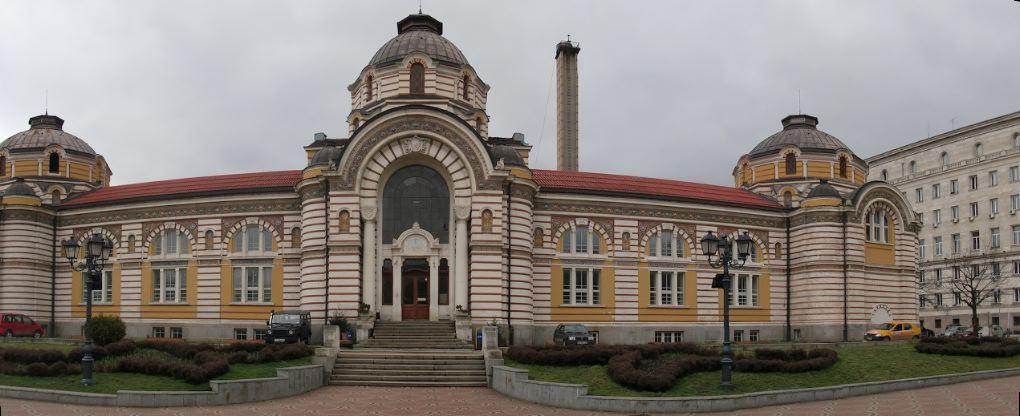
414,245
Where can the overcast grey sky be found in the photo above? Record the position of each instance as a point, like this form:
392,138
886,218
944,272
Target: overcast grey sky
680,90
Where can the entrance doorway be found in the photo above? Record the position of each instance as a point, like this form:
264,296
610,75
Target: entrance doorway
415,291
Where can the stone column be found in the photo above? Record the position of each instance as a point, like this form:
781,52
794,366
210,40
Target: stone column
433,288
398,287
460,270
368,213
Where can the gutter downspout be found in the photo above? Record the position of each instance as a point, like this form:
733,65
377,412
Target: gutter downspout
846,322
789,328
53,280
325,184
509,263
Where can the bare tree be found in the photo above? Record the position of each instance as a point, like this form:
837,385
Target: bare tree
973,279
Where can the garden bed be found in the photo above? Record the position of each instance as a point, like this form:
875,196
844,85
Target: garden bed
856,364
149,365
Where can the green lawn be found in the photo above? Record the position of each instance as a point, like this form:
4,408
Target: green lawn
856,364
111,382
39,346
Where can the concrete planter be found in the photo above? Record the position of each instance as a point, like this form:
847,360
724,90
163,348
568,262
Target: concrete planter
514,382
330,336
288,382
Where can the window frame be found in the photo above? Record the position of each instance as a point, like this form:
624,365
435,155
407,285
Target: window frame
676,292
105,291
242,243
751,291
158,281
594,245
877,226
571,290
241,289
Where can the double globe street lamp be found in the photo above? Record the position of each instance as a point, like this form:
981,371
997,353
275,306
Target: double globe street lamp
720,254
97,253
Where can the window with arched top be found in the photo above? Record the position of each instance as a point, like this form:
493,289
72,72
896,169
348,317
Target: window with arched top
779,250
3,165
209,240
416,194
978,150
169,279
581,239
55,197
54,162
295,237
666,244
538,240
417,78
843,171
885,175
252,239
788,199
170,242
344,223
486,221
877,226
945,159
913,167
131,243
745,174
466,84
368,88
626,241
791,163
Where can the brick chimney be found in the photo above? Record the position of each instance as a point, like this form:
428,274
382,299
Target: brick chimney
566,105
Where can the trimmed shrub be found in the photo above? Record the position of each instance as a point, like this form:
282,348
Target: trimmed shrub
246,346
558,355
29,356
107,329
625,369
174,347
970,346
767,360
75,356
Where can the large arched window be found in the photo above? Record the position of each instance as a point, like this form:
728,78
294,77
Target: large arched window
252,239
843,167
417,78
877,226
54,162
169,280
580,239
667,243
3,165
791,163
467,82
416,194
368,88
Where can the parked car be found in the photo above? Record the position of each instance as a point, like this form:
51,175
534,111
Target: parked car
286,327
893,330
572,334
19,325
992,331
952,330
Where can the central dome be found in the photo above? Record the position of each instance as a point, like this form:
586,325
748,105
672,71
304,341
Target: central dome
799,130
419,33
45,130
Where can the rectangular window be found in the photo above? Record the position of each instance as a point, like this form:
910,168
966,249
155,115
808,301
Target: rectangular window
1016,321
956,244
581,240
973,182
1016,295
102,294
1014,202
252,284
582,286
919,195
745,290
955,210
993,178
669,336
936,216
938,299
738,335
1016,235
796,334
938,246
754,335
260,334
920,248
920,276
975,240
997,296
993,206
170,285
158,332
938,323
666,288
995,320
920,301
974,211
995,237
936,191
1016,267
956,321
241,334
954,187
957,299
996,269
1014,174
176,333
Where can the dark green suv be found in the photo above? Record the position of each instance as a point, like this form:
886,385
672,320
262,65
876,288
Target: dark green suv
287,327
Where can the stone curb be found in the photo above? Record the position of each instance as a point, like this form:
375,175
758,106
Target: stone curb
289,381
514,382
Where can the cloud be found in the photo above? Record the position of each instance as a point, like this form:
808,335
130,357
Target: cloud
668,89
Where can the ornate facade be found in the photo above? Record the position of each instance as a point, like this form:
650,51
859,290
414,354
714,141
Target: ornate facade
420,214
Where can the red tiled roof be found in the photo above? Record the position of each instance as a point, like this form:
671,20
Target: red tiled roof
602,183
200,186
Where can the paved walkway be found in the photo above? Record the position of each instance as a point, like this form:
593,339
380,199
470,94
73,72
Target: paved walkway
987,398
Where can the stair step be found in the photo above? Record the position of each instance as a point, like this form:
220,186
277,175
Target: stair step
388,366
433,372
409,383
411,378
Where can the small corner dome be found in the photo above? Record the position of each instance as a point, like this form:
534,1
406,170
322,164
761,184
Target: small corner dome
325,156
824,190
45,130
799,130
19,188
509,155
419,33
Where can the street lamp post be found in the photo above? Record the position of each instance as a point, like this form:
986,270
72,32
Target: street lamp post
97,252
710,245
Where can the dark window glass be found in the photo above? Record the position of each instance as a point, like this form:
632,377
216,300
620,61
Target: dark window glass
842,167
368,88
54,163
416,194
3,165
467,81
791,163
387,282
444,282
417,78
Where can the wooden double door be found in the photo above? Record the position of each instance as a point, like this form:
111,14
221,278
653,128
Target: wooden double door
414,291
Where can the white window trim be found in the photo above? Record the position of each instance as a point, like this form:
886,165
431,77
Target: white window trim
877,223
158,294
105,293
655,291
241,242
677,244
570,290
752,292
161,242
260,288
570,236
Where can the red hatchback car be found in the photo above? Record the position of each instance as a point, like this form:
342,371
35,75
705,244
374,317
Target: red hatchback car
18,325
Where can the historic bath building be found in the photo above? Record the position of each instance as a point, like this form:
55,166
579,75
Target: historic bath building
418,213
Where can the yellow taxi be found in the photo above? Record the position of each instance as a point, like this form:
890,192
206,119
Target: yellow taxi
893,330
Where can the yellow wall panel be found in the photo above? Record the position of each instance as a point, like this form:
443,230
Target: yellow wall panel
600,313
818,169
760,313
648,313
150,310
78,286
230,310
764,172
26,167
878,253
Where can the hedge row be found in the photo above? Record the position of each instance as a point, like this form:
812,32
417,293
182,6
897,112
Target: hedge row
58,368
970,346
787,361
625,369
600,354
205,366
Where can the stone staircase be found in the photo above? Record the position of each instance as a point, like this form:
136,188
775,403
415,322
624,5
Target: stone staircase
411,354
